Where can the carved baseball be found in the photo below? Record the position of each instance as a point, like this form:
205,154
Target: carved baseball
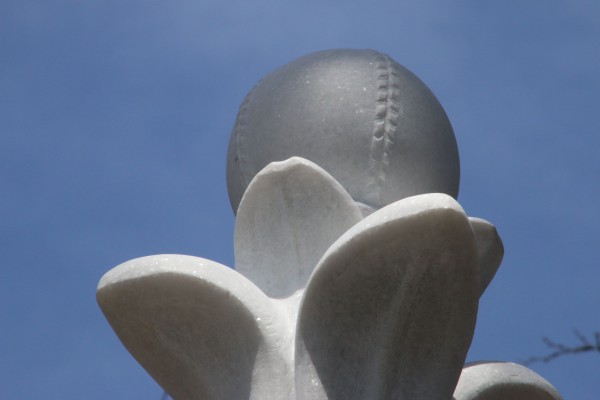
368,121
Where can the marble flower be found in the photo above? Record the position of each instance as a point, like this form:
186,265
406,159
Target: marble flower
325,303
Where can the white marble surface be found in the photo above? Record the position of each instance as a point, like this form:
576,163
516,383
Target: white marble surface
277,244
201,330
358,273
390,310
490,249
389,300
502,381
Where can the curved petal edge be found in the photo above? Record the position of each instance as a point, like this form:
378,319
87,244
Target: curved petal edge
390,310
489,248
290,213
199,328
502,380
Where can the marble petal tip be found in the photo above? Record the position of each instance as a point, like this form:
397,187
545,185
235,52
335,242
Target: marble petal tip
199,328
139,267
402,279
289,163
143,267
410,206
502,380
423,203
290,213
490,249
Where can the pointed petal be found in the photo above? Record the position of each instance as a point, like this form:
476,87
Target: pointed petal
199,328
502,380
291,212
490,249
390,310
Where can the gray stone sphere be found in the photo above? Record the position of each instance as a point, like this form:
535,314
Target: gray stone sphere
365,119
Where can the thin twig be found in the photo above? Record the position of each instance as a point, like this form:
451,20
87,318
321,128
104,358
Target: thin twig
581,338
559,349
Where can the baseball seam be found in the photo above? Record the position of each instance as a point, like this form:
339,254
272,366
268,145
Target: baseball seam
387,111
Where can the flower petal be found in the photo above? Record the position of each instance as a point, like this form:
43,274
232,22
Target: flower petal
390,310
199,328
502,380
291,212
490,249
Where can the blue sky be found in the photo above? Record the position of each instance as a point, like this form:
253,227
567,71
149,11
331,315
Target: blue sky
114,123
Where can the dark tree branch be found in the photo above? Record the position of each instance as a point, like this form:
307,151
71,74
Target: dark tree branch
559,349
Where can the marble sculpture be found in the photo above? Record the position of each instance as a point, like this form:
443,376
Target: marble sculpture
357,273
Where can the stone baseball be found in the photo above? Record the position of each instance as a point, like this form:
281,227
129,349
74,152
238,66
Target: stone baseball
368,121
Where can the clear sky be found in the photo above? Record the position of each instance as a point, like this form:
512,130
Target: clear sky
115,117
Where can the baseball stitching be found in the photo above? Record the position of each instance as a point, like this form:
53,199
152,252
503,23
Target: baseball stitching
387,111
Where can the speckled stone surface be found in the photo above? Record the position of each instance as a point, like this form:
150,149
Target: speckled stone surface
201,330
390,310
287,200
502,381
358,273
490,250
365,119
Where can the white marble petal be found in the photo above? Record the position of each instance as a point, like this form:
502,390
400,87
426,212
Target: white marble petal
290,214
390,310
502,381
199,328
490,249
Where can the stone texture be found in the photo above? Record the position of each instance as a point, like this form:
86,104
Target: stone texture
502,381
199,328
490,249
391,303
365,119
290,214
367,271
390,310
